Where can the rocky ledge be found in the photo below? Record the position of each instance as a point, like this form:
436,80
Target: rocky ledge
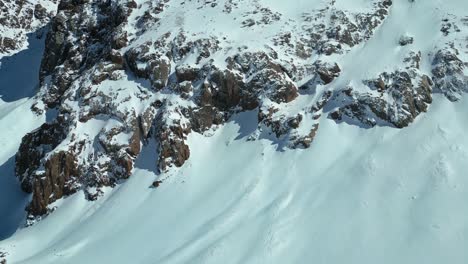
116,79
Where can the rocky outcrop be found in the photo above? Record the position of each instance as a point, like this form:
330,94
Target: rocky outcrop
2,257
19,18
172,150
448,74
400,99
149,65
56,160
343,31
57,180
34,148
118,78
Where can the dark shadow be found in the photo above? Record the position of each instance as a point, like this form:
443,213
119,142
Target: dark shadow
12,200
51,114
143,83
310,87
19,73
148,157
248,125
247,121
280,143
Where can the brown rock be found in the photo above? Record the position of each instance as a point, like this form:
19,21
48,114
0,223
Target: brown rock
120,41
205,117
156,184
295,122
40,12
160,70
8,43
172,147
57,181
116,57
132,4
187,73
229,87
306,141
31,151
206,96
327,72
126,163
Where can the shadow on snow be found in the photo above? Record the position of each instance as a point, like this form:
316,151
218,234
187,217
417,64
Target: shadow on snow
12,200
19,73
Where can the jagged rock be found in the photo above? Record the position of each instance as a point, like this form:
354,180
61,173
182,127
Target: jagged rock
146,119
267,77
160,73
153,66
407,101
33,149
172,149
56,181
229,86
2,257
406,40
205,117
78,66
327,72
448,74
117,58
280,125
55,45
8,44
19,18
413,60
185,87
156,184
344,30
132,4
305,141
106,73
295,121
187,73
40,12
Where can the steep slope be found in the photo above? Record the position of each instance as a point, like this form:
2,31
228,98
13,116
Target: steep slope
120,73
359,196
22,39
236,103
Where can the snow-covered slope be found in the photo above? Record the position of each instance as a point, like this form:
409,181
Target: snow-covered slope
237,131
359,196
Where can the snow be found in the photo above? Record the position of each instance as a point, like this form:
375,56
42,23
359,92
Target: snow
379,195
16,120
12,199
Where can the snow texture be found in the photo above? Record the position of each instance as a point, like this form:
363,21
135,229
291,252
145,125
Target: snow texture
360,194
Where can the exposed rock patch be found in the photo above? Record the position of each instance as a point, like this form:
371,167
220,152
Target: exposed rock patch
117,80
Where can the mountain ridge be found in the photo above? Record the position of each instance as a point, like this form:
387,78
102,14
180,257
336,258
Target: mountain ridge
119,76
176,83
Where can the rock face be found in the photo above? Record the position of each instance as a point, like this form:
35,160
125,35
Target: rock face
401,98
117,78
2,257
21,17
28,160
448,74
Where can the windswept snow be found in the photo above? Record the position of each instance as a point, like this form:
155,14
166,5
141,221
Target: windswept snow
19,79
376,195
16,119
